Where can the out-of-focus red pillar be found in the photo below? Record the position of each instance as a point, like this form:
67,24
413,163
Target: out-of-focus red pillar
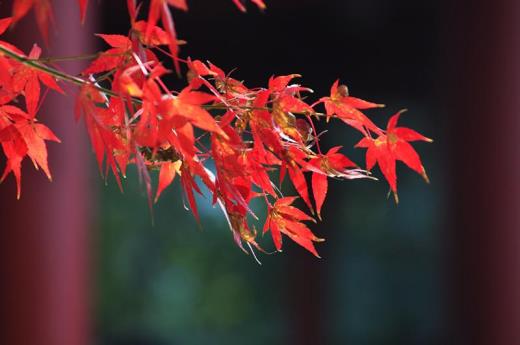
484,86
44,236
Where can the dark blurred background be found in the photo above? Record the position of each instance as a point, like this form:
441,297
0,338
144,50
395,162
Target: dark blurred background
84,264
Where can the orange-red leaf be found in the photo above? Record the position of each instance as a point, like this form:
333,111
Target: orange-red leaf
241,7
286,219
20,9
116,41
347,108
166,176
300,184
34,135
392,146
43,12
319,190
83,9
156,36
4,24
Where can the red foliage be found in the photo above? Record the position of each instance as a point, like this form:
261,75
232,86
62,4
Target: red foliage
247,133
391,146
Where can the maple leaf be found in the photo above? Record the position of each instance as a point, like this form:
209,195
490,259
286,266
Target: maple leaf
156,36
180,4
42,10
13,145
129,81
101,122
5,23
292,159
226,88
286,102
283,109
159,8
347,108
182,141
21,8
234,171
34,135
280,83
254,161
6,66
200,69
113,58
15,151
237,221
166,175
391,146
285,219
21,136
262,126
132,9
241,7
27,80
83,9
332,164
189,185
186,107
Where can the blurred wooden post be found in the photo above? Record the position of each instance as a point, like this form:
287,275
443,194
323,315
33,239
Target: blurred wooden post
484,86
44,236
305,298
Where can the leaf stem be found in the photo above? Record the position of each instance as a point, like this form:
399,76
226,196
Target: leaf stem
38,65
73,57
35,64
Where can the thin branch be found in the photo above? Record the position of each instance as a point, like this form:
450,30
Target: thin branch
34,64
37,65
74,57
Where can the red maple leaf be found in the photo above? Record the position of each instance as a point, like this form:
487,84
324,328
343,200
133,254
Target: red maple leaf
27,80
100,121
42,10
156,36
5,23
5,65
186,107
34,135
286,103
391,146
13,145
166,176
190,168
332,164
113,58
21,136
83,9
285,219
241,7
159,8
347,108
293,159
